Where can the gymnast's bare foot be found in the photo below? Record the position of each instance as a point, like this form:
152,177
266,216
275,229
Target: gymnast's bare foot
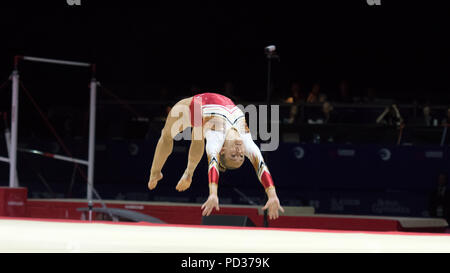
185,182
154,178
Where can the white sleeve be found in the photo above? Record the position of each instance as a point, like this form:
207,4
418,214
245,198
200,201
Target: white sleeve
253,153
214,142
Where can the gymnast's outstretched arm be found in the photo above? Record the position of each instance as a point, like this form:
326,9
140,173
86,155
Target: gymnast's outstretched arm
214,143
254,155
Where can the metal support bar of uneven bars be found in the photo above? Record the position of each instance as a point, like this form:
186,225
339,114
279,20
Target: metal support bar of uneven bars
8,147
4,159
14,126
53,61
91,154
54,156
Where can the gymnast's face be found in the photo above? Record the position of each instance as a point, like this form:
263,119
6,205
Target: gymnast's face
233,151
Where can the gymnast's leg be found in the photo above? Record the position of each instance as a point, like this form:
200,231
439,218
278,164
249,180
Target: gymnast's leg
177,120
196,151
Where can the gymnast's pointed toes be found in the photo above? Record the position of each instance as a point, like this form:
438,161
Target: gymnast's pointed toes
151,185
181,187
184,183
153,181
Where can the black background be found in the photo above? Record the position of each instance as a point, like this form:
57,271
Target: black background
400,48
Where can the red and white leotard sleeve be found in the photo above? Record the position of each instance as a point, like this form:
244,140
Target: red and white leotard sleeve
253,153
214,143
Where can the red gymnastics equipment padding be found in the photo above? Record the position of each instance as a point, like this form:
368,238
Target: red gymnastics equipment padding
13,201
191,214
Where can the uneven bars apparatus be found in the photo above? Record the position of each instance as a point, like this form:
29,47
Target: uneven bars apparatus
12,160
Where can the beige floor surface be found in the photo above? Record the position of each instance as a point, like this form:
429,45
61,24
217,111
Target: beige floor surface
51,237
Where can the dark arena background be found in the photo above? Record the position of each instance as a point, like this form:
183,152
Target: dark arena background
364,106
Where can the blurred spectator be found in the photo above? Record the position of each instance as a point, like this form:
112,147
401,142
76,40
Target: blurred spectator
390,116
428,118
326,115
440,198
322,98
295,96
313,96
329,114
446,120
344,95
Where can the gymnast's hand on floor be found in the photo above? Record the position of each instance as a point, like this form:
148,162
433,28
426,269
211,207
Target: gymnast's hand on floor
273,205
210,204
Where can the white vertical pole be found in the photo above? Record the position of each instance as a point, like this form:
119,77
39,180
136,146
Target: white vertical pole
91,141
14,123
8,148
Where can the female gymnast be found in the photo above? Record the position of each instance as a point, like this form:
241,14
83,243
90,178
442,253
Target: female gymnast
216,119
